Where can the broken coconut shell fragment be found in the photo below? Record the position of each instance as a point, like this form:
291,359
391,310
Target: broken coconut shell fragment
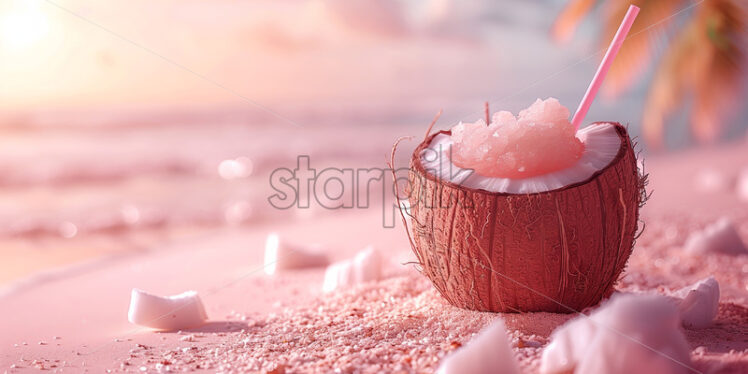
560,250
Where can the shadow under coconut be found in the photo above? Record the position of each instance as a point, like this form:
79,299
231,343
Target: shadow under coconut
218,326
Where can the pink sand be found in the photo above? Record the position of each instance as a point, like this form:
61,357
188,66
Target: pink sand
78,320
539,141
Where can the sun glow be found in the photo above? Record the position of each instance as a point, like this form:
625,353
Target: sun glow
23,26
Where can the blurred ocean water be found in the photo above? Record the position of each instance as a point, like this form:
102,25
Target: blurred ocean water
119,118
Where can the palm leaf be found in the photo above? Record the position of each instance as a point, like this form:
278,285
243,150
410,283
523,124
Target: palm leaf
569,18
706,61
669,84
717,84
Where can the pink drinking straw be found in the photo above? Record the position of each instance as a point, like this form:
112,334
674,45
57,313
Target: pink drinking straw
602,70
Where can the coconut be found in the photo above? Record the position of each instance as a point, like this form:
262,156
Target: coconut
168,313
629,334
555,245
281,256
699,303
741,187
488,352
366,266
720,237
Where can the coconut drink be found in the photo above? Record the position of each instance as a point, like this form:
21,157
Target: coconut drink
527,213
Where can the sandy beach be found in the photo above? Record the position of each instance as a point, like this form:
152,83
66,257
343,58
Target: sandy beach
150,149
73,318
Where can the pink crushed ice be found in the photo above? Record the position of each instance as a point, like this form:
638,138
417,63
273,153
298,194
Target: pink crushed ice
540,140
628,334
176,312
699,304
280,255
487,353
719,237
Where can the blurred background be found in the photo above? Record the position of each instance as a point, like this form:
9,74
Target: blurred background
125,125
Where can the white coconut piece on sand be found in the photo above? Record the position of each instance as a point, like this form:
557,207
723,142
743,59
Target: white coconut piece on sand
711,180
699,304
720,237
366,266
176,312
487,353
741,187
628,334
281,255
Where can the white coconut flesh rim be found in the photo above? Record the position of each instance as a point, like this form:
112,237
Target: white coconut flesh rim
601,145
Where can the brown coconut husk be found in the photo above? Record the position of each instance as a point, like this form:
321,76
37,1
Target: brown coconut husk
556,251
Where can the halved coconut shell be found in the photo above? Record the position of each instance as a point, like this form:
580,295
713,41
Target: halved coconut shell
556,251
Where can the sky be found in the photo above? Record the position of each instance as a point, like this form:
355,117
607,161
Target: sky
79,53
381,59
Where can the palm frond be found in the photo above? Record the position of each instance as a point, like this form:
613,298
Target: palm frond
569,18
706,60
717,84
669,85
